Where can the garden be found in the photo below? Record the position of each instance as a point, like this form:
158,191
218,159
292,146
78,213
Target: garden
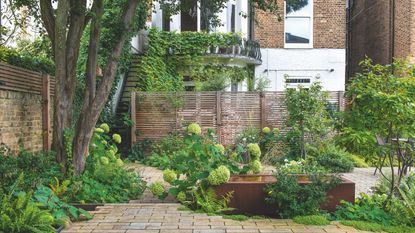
296,171
290,173
308,156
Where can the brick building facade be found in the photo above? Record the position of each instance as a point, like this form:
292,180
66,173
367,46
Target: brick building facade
381,30
321,58
329,26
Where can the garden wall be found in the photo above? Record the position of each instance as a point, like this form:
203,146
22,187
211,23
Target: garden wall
157,114
25,100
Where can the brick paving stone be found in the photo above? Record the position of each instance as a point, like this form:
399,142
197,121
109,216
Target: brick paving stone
149,215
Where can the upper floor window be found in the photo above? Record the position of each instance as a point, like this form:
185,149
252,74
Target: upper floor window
298,24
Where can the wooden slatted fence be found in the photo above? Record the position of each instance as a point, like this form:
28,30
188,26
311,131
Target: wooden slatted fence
16,79
155,115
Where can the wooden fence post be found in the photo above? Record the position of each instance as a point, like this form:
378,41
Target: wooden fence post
341,100
218,116
133,118
46,112
263,109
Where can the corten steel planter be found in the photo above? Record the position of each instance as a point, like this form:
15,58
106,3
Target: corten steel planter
249,195
87,207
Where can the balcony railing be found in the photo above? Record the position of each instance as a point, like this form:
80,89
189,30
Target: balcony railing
248,50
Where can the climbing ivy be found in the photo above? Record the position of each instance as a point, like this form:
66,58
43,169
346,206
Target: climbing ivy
172,55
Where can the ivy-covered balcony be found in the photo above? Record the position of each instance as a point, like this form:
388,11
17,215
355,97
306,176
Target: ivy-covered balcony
216,48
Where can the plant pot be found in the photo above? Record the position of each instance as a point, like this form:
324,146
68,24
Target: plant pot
249,195
88,206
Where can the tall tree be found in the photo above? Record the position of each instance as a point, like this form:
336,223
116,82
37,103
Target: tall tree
65,21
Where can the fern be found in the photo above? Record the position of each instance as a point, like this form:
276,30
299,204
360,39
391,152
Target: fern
19,214
208,202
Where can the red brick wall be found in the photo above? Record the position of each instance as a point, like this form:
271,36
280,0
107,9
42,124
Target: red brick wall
329,26
372,35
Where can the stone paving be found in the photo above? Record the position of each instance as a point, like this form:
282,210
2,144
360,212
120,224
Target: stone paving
149,215
165,218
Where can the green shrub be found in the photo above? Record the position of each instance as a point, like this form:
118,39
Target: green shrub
30,62
18,213
199,164
358,161
376,227
60,210
402,203
366,208
293,199
331,157
39,169
317,220
138,150
169,145
105,180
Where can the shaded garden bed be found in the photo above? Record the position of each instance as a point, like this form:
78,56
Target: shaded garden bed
249,195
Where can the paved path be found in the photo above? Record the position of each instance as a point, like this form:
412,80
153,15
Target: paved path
165,218
150,215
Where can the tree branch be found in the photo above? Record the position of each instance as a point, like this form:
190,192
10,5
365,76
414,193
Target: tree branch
92,61
48,19
113,59
76,28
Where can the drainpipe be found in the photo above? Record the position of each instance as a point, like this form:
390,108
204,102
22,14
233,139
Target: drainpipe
392,31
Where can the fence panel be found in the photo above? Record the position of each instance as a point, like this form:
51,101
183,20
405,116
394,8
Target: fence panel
228,113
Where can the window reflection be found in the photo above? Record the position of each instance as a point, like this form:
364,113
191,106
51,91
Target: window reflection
298,21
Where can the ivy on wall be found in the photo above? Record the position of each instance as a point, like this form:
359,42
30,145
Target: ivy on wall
28,61
173,55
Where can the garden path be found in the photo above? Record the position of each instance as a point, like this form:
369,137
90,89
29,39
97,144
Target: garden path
166,218
149,215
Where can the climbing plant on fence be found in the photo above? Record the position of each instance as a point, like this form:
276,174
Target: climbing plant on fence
171,55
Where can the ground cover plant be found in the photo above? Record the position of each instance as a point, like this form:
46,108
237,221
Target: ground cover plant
39,200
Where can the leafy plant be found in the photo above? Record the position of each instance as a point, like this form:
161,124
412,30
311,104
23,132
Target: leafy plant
39,169
199,164
376,96
294,199
105,180
169,53
308,119
59,209
18,213
58,188
402,203
317,220
366,208
138,150
332,158
208,202
376,227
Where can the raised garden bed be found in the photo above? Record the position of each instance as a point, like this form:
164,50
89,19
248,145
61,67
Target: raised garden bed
87,207
249,196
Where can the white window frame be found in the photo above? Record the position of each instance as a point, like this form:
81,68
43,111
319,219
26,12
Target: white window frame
300,45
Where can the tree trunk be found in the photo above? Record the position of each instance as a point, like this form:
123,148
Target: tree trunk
92,108
66,44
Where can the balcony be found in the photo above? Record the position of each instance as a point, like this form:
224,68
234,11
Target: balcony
235,52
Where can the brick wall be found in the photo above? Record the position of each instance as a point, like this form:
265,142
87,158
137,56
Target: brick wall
329,26
371,32
21,120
